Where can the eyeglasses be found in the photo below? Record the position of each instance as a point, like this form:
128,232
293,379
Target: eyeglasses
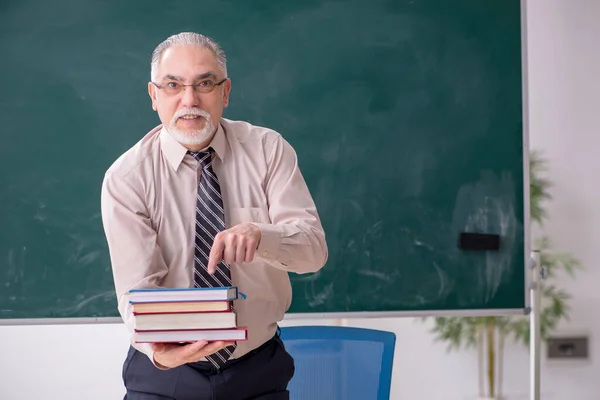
172,87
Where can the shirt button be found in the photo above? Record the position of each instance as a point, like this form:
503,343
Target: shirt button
265,253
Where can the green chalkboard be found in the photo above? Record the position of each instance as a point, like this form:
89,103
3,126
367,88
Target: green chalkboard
406,116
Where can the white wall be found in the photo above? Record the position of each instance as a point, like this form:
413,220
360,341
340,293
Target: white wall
84,362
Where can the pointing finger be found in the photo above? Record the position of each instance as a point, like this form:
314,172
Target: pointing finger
216,254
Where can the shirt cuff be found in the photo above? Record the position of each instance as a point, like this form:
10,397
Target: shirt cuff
270,238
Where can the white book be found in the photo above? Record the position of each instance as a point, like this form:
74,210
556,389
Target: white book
183,294
172,321
210,335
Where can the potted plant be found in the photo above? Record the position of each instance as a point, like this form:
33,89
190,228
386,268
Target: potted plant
488,334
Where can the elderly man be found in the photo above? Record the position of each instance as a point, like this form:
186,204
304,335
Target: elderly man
200,178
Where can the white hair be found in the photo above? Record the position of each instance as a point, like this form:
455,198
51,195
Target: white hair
188,38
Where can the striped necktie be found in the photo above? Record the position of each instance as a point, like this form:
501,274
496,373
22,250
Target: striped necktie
209,221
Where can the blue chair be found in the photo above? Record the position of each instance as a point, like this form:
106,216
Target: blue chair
339,362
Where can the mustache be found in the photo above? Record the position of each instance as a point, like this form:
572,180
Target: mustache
191,111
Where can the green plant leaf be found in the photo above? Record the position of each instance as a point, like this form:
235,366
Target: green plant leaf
538,187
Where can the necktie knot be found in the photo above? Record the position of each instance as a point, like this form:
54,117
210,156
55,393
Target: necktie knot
203,157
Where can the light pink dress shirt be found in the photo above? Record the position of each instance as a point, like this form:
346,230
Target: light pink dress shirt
148,211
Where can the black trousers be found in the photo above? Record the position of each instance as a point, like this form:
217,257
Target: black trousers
262,374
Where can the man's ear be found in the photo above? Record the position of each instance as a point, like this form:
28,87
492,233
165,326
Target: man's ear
226,91
152,94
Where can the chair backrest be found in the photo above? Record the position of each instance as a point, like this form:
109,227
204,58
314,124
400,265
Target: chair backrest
339,362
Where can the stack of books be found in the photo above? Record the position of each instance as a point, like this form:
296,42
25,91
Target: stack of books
185,315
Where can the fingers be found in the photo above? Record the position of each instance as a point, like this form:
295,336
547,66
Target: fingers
212,348
163,347
250,250
240,250
190,350
172,355
235,245
230,248
216,253
253,241
206,350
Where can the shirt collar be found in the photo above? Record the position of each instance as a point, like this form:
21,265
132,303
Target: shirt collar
175,152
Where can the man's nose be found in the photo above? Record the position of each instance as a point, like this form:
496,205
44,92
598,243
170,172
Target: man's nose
189,97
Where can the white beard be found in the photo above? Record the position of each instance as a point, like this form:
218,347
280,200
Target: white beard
192,137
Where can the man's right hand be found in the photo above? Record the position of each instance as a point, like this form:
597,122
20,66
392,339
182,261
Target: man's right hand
171,355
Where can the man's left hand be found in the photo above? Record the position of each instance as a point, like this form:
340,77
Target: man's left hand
234,245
